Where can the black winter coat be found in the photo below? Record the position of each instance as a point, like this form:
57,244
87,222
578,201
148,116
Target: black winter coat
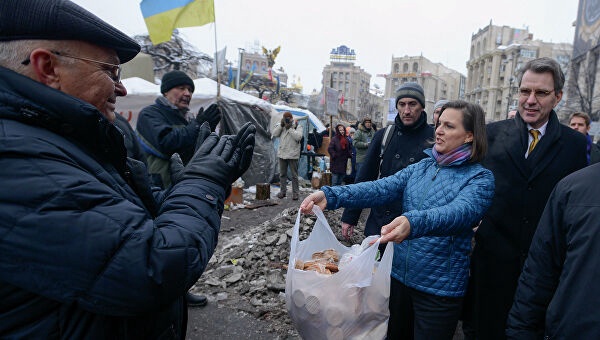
559,291
81,254
405,148
523,186
163,131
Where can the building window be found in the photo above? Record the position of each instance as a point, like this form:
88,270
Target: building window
396,68
405,68
415,67
528,53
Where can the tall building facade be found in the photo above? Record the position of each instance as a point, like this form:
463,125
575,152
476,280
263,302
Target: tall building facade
438,81
497,55
351,81
584,78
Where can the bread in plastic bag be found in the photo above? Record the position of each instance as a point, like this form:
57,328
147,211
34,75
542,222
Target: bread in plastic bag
350,304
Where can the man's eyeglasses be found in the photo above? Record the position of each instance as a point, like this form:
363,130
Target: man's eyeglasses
539,94
114,70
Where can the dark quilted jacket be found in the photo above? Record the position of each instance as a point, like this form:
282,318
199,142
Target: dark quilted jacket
81,255
442,204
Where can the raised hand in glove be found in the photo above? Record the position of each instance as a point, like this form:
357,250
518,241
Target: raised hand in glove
223,160
212,115
176,164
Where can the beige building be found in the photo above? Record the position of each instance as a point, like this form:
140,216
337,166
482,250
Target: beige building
351,81
437,80
497,54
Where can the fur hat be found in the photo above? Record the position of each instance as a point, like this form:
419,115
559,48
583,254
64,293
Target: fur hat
175,78
61,20
287,114
411,90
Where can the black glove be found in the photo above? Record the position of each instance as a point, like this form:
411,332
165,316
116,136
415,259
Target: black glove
212,115
223,160
282,122
176,164
245,141
176,168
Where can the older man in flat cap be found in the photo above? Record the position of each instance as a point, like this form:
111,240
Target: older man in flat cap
87,250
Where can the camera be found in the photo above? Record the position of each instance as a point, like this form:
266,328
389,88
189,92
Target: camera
288,120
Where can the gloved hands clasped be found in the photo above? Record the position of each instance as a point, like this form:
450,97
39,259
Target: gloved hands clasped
212,115
219,160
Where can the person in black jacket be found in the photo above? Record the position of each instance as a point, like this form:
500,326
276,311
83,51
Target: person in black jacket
409,137
528,156
164,128
559,290
89,249
581,122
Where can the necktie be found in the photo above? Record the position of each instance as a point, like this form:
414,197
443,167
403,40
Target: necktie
535,134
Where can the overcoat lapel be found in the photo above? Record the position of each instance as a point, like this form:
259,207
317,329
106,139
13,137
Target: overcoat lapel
516,139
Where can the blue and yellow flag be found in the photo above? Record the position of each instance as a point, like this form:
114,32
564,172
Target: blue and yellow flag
163,16
230,79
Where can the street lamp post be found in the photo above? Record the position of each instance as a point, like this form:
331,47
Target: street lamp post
509,95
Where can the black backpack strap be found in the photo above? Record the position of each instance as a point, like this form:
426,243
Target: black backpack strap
387,136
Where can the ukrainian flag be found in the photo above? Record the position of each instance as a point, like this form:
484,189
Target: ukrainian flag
163,16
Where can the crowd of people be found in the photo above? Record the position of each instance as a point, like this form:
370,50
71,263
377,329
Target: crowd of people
520,190
105,228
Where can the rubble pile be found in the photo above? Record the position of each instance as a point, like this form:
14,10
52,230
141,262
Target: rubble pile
247,271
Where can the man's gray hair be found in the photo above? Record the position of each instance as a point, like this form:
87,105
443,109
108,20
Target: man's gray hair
543,65
14,52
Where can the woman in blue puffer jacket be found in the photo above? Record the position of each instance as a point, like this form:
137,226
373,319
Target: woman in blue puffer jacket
444,195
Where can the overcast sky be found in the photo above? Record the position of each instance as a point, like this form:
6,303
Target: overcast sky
377,30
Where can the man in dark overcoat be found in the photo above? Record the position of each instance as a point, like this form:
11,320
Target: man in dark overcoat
526,165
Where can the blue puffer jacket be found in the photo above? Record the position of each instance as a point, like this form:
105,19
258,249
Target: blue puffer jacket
82,255
442,204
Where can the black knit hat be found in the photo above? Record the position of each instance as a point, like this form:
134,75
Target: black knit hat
175,78
61,20
411,90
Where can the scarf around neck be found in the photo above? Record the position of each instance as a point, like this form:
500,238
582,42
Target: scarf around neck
458,155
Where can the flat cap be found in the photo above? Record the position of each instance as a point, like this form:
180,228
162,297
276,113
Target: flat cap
61,20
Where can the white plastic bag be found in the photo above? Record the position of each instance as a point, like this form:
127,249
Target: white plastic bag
350,304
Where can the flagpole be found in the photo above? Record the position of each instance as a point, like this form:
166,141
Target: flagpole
216,57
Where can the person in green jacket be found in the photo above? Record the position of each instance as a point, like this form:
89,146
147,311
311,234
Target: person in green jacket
362,138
